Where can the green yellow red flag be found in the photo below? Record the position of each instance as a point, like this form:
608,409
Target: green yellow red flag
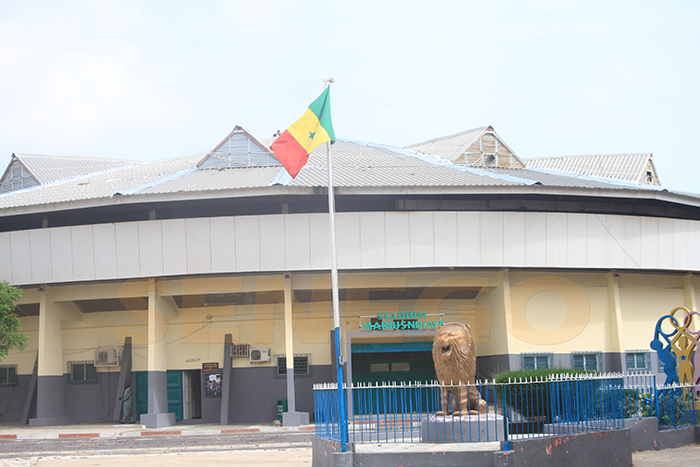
292,147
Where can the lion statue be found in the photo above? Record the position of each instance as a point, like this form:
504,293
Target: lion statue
454,356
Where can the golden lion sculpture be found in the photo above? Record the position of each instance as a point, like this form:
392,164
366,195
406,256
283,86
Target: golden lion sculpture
454,355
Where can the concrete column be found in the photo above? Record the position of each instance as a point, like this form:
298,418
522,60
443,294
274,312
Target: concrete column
124,376
158,415
50,401
226,381
291,417
615,322
514,362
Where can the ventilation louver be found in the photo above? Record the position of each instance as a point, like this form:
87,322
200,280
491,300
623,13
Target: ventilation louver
107,356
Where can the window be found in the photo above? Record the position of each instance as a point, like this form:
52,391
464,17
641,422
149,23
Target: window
536,361
301,365
8,375
585,361
82,373
637,360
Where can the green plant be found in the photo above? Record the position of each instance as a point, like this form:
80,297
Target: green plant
11,335
528,392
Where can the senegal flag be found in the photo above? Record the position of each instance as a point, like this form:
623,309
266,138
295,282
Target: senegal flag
292,148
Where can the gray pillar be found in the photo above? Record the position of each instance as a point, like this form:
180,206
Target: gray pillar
31,392
226,379
124,376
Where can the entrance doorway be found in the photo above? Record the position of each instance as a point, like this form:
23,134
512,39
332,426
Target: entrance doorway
384,367
183,390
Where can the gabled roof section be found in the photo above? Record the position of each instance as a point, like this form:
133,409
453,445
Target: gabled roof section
26,170
239,149
479,147
633,168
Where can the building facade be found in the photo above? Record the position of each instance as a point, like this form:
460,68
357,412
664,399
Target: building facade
204,280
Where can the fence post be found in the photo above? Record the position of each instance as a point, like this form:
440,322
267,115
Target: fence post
656,402
506,441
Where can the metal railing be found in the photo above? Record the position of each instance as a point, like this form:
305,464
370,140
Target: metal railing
524,408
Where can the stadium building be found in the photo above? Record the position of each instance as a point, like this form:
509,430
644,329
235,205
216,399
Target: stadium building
204,280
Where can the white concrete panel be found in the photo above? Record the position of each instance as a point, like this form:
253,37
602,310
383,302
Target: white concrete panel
514,239
83,253
40,245
694,245
666,238
128,250
445,235
535,239
595,242
297,242
492,239
632,242
105,241
272,247
469,239
199,251
372,236
556,239
576,231
347,234
615,230
223,244
420,239
650,243
174,247
21,257
320,235
5,257
247,243
150,248
397,239
680,244
61,254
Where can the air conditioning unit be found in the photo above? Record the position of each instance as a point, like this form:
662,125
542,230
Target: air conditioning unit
259,355
107,356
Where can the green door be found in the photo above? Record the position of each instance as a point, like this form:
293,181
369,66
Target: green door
174,382
403,366
174,378
141,393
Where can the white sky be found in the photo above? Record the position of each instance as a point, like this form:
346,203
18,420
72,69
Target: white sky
151,80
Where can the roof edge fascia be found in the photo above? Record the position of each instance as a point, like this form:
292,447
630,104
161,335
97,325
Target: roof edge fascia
276,190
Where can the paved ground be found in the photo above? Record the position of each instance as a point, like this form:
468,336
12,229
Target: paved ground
255,458
185,445
686,456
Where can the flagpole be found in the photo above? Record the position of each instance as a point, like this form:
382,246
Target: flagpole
336,300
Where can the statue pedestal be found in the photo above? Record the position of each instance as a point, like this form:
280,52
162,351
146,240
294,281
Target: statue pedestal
467,428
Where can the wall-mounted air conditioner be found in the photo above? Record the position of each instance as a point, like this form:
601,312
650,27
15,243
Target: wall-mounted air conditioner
107,356
259,355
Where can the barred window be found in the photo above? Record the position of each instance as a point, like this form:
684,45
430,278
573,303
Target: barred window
301,365
8,375
536,361
82,373
637,360
585,361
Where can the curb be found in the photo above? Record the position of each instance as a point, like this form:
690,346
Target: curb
145,433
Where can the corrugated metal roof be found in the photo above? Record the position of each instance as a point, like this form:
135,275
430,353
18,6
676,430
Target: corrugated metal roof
99,185
625,167
355,164
452,146
364,164
47,169
545,178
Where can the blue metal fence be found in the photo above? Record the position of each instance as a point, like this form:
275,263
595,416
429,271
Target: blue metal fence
561,404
